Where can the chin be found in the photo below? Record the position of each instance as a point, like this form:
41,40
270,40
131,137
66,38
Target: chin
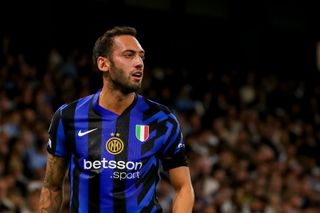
136,86
130,89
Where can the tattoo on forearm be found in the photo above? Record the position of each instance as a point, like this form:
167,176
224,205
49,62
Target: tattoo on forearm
52,192
50,201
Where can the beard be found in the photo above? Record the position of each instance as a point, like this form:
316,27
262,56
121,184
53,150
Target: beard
119,81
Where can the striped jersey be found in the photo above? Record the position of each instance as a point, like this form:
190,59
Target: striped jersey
114,160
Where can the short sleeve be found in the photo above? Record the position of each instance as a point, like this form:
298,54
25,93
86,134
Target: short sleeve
174,154
57,139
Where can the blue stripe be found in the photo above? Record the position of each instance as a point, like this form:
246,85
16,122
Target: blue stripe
61,147
149,196
149,182
160,116
168,133
71,180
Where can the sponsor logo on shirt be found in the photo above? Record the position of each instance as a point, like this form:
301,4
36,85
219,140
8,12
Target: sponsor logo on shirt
123,169
80,133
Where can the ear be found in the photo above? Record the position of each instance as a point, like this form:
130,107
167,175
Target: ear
103,63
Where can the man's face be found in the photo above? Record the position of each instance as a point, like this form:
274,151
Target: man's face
126,64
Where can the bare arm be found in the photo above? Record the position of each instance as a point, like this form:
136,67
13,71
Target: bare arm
184,196
52,191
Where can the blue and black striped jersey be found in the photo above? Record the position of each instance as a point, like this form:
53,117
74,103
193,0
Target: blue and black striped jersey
115,159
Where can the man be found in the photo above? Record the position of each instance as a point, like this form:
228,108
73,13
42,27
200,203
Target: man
113,141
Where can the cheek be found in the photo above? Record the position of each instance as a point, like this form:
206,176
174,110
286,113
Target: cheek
119,74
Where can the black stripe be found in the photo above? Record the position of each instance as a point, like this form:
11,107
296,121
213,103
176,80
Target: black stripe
69,128
152,178
53,131
94,153
160,128
119,186
150,206
172,134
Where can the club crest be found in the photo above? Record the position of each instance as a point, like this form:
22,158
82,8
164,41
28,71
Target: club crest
114,145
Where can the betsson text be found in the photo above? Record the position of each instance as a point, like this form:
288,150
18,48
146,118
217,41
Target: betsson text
130,168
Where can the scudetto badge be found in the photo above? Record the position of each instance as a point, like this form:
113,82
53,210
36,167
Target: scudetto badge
142,132
114,145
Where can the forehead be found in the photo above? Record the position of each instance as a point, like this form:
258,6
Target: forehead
126,42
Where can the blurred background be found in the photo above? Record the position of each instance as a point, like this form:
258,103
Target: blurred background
241,76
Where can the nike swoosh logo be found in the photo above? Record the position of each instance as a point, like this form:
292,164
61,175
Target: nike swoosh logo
80,134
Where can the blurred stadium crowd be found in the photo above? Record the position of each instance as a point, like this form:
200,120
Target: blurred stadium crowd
252,137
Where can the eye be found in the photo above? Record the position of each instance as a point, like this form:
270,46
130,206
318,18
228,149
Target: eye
128,54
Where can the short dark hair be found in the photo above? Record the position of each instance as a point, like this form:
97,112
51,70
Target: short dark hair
104,43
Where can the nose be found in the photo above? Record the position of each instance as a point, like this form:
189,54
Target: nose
138,62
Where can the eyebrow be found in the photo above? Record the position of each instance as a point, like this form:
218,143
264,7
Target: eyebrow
140,53
133,51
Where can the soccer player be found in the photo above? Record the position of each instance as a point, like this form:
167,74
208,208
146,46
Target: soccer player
114,141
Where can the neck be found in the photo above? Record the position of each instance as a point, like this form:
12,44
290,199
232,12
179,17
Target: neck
115,100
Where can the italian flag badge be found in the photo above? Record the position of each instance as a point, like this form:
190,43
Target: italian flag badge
142,132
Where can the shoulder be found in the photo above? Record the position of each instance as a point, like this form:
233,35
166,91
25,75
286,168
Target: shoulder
69,108
154,107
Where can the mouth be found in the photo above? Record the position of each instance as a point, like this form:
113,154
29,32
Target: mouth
137,75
